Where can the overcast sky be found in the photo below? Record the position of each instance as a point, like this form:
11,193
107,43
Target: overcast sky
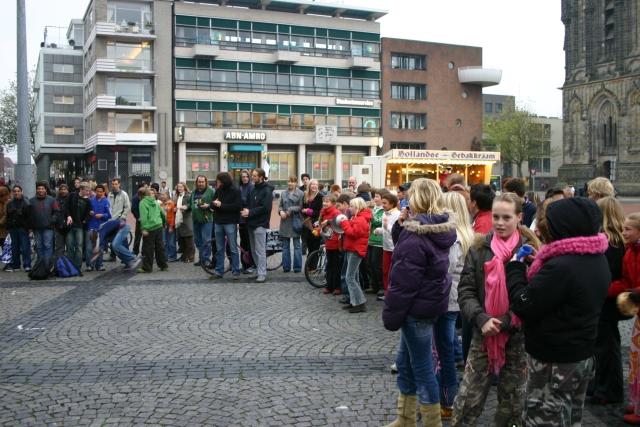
524,38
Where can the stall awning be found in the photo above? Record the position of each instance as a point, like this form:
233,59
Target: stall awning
443,157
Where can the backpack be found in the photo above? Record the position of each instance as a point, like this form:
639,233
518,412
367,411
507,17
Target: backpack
65,268
41,270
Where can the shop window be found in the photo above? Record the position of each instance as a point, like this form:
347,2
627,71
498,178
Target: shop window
321,165
408,146
348,160
282,165
202,163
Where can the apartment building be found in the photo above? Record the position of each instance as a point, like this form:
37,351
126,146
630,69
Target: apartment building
291,85
127,97
57,109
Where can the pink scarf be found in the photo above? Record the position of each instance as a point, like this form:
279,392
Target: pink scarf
584,245
496,298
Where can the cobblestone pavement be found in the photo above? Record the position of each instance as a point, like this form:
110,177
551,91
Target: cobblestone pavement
175,348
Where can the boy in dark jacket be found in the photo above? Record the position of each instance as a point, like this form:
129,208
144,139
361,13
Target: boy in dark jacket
78,214
62,228
18,224
44,211
559,301
258,214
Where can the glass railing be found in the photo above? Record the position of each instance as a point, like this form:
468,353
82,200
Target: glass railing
134,27
130,101
134,64
365,51
279,89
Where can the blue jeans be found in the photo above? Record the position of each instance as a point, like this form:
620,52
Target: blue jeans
170,243
90,243
44,243
286,254
343,276
230,232
356,296
20,245
415,362
74,242
120,245
202,238
444,334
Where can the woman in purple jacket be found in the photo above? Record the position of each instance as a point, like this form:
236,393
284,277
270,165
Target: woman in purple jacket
418,292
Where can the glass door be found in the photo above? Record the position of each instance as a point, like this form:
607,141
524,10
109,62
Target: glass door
239,160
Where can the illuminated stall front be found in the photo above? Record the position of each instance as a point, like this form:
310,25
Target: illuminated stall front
401,166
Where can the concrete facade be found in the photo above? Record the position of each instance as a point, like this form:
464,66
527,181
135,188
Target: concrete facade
601,93
453,110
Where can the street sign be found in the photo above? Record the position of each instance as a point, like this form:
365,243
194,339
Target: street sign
533,172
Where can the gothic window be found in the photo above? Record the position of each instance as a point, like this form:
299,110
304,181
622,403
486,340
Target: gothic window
575,118
607,126
634,119
609,27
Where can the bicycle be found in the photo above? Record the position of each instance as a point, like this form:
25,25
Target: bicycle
315,268
273,249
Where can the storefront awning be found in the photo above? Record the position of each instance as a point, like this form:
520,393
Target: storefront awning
442,157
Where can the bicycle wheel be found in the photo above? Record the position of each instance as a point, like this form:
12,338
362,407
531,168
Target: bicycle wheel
209,268
314,268
274,260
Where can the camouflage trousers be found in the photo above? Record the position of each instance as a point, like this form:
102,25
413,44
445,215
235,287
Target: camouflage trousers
556,392
476,383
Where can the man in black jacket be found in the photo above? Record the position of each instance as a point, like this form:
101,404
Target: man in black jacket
226,205
258,214
559,301
61,228
76,217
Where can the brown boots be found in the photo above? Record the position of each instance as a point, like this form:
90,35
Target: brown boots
431,415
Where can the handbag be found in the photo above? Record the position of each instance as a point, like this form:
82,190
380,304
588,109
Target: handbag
296,223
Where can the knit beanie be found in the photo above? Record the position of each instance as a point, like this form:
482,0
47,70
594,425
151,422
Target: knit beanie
573,217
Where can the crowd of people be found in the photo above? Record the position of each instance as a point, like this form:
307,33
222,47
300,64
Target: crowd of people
536,288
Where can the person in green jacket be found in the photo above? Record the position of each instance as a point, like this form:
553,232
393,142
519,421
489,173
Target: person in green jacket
202,216
374,251
152,220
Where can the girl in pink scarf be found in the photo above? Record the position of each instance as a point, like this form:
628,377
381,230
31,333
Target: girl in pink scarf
497,346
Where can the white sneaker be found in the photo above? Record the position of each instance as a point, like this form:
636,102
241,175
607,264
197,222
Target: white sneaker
133,264
394,369
261,279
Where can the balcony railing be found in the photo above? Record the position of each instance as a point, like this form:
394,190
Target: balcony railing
263,47
279,89
342,131
125,28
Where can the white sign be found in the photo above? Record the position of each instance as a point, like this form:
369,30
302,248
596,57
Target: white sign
245,136
326,134
356,102
442,155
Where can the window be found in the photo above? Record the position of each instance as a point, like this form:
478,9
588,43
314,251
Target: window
130,56
129,122
408,62
63,68
321,165
129,14
408,146
412,92
540,164
63,99
202,163
282,165
498,107
64,130
130,91
488,107
186,117
348,160
408,121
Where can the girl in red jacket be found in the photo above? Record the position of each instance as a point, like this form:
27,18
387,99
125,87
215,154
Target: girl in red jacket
331,245
355,241
631,281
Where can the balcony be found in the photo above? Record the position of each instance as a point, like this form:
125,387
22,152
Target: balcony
205,50
286,57
108,138
361,62
112,102
126,30
479,76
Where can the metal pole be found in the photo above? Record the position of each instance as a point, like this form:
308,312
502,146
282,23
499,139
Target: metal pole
24,170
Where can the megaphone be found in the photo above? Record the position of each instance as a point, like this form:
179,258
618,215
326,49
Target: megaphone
326,232
335,223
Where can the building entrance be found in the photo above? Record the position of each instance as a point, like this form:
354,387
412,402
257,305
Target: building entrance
239,160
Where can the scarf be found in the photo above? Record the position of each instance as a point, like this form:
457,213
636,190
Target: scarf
179,217
496,299
584,245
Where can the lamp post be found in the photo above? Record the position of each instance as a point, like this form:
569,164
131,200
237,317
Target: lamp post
24,170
